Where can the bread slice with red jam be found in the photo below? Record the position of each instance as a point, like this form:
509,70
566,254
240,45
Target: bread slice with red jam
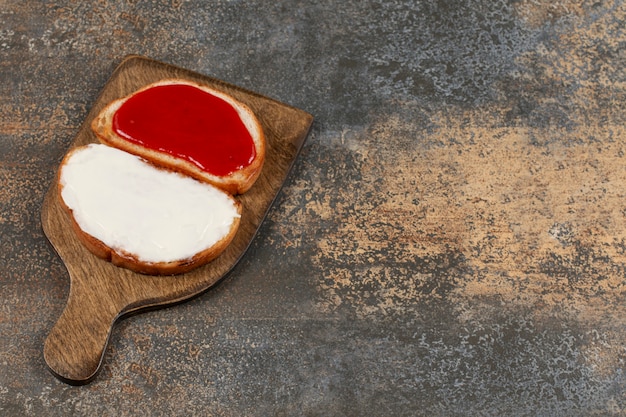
189,128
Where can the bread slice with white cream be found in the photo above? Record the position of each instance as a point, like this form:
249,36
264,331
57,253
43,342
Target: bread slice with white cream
141,217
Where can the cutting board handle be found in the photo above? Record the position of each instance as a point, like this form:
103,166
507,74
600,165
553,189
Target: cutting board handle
75,346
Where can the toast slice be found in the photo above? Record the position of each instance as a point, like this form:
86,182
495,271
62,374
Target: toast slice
189,128
142,217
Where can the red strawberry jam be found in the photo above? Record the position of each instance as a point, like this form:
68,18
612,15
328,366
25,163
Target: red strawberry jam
189,123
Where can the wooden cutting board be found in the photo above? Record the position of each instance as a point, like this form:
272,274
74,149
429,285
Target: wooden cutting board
101,293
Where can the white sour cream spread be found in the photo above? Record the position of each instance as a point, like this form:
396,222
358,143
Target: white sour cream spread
129,205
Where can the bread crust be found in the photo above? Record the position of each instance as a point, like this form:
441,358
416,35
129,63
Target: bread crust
237,182
127,260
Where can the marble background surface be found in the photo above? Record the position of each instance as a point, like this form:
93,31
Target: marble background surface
451,242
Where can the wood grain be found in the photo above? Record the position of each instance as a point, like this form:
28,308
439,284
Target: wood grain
101,293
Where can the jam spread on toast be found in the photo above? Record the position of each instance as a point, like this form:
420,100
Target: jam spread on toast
189,123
